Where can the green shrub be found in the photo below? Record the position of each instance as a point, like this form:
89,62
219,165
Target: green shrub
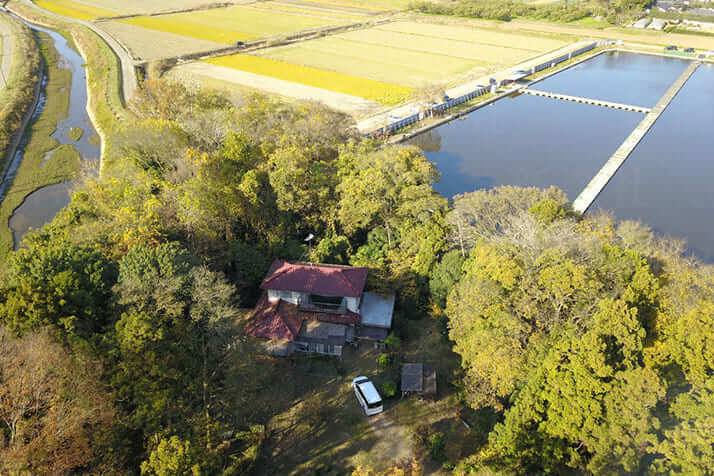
75,134
393,343
389,388
435,446
383,361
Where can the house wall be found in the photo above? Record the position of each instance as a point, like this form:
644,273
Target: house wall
296,298
312,348
352,304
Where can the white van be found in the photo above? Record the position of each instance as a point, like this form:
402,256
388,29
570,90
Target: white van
367,395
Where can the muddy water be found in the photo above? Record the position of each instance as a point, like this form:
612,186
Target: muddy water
42,205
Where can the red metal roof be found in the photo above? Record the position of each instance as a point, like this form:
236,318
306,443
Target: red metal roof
282,320
326,280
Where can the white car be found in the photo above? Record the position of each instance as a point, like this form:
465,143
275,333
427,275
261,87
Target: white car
367,396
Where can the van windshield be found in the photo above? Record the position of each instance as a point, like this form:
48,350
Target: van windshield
371,405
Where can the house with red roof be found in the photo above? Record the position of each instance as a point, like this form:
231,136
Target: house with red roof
318,308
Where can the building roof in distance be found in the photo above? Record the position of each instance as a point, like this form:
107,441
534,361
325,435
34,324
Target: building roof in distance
377,310
323,279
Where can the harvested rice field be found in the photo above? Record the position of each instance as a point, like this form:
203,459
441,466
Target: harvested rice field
228,25
145,44
413,54
87,9
81,11
318,10
377,91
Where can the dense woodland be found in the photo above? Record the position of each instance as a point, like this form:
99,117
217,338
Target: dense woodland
587,340
615,12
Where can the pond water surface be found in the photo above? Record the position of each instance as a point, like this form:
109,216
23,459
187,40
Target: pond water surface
668,181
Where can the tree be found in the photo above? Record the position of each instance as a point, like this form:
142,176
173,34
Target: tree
59,284
172,338
444,275
551,320
172,456
53,407
385,188
482,214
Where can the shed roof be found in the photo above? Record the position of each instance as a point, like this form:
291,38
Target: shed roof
377,310
323,279
418,378
412,377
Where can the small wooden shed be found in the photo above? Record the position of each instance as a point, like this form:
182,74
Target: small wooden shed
419,379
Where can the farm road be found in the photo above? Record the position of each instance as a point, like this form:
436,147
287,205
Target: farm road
394,440
128,72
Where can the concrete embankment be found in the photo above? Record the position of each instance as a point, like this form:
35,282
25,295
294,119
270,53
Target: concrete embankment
601,179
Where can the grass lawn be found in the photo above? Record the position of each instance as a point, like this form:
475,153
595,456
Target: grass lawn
33,172
228,25
329,80
324,431
71,9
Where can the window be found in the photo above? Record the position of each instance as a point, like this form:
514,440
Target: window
328,302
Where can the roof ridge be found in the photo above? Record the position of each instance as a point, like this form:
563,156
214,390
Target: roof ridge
349,283
278,272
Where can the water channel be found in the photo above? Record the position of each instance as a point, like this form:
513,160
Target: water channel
43,204
534,141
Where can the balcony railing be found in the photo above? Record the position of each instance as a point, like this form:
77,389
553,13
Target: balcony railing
323,307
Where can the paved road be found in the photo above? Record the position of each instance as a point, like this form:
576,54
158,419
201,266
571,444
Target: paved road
7,44
128,72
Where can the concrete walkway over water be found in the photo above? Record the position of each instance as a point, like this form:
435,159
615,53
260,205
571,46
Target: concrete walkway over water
595,102
598,183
